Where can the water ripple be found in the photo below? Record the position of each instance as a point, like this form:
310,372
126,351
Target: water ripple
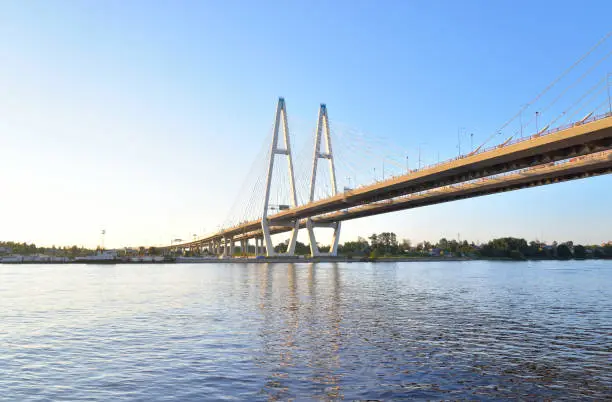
474,331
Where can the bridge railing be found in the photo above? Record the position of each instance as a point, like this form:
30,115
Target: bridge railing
596,155
499,146
523,139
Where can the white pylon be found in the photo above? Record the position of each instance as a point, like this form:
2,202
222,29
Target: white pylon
281,118
323,125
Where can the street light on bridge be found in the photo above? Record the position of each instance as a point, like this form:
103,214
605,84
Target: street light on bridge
609,102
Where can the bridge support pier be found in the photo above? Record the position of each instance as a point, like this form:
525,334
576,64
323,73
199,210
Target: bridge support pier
314,247
323,128
258,246
226,247
280,122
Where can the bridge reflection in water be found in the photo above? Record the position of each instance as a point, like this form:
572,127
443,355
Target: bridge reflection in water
295,309
429,330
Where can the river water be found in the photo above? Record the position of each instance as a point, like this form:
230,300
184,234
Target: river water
433,330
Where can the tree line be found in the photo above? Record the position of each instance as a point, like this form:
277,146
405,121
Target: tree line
387,244
10,247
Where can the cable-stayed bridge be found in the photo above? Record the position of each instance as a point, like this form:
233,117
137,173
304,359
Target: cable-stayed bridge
580,148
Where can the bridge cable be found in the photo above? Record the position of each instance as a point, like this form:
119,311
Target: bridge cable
571,85
589,92
550,86
592,98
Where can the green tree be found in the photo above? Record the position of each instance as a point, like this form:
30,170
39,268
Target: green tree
359,247
443,244
374,240
579,252
281,248
564,252
302,249
505,247
406,245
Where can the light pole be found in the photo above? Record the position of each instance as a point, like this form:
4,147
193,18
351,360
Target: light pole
523,107
537,114
407,165
609,102
459,139
421,144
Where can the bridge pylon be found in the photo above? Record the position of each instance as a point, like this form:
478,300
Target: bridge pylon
280,122
323,133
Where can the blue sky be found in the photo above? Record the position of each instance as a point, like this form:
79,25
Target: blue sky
143,118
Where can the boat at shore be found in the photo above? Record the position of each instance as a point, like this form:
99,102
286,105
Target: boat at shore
101,256
32,259
146,259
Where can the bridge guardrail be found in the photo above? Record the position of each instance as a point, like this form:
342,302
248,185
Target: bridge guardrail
596,155
512,142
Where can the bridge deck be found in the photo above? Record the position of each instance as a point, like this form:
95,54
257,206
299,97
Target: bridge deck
574,140
587,166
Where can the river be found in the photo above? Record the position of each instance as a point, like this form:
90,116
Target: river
434,330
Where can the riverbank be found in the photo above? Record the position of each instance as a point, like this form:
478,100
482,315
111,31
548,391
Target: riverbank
267,260
242,260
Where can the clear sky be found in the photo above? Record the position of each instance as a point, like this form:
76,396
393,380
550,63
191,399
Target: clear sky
144,117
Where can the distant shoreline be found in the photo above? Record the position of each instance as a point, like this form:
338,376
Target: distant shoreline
267,260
